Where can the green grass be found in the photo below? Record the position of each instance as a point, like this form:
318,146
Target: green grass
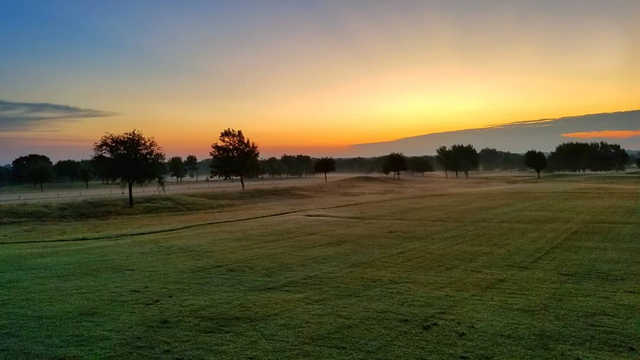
371,269
157,204
53,186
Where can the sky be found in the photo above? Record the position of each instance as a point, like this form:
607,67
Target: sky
304,76
520,137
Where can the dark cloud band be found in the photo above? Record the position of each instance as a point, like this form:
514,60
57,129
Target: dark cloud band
17,116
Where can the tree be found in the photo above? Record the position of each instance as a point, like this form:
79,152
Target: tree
620,157
40,173
103,168
191,165
305,164
535,160
133,158
272,167
394,163
68,169
419,164
445,159
234,155
360,164
161,171
177,168
33,168
290,165
600,156
465,158
325,165
571,156
5,174
492,159
297,165
86,172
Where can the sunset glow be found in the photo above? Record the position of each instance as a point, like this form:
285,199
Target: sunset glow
316,78
604,134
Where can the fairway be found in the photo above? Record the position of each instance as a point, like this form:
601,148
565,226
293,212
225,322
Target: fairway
498,267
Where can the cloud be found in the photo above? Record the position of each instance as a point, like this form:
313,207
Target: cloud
17,116
604,134
543,134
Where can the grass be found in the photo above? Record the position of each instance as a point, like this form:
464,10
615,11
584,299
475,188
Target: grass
422,268
103,208
54,186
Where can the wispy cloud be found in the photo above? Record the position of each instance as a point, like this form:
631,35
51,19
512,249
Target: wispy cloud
17,116
603,134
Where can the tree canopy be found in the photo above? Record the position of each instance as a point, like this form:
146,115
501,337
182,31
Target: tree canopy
445,159
86,171
5,175
234,155
192,167
34,168
535,160
459,158
419,164
272,167
297,165
492,159
132,158
69,169
575,156
325,165
465,158
394,163
177,168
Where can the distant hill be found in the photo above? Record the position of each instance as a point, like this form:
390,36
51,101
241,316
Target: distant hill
521,136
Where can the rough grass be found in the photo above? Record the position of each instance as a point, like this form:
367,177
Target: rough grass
541,270
93,209
53,186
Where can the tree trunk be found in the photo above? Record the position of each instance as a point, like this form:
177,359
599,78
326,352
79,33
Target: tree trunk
325,177
130,194
242,182
41,187
446,174
466,174
538,171
456,174
86,184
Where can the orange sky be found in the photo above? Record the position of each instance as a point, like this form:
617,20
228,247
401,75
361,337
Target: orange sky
317,80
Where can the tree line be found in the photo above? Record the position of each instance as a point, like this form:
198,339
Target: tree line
132,158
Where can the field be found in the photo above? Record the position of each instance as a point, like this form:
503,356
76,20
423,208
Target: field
67,191
499,267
